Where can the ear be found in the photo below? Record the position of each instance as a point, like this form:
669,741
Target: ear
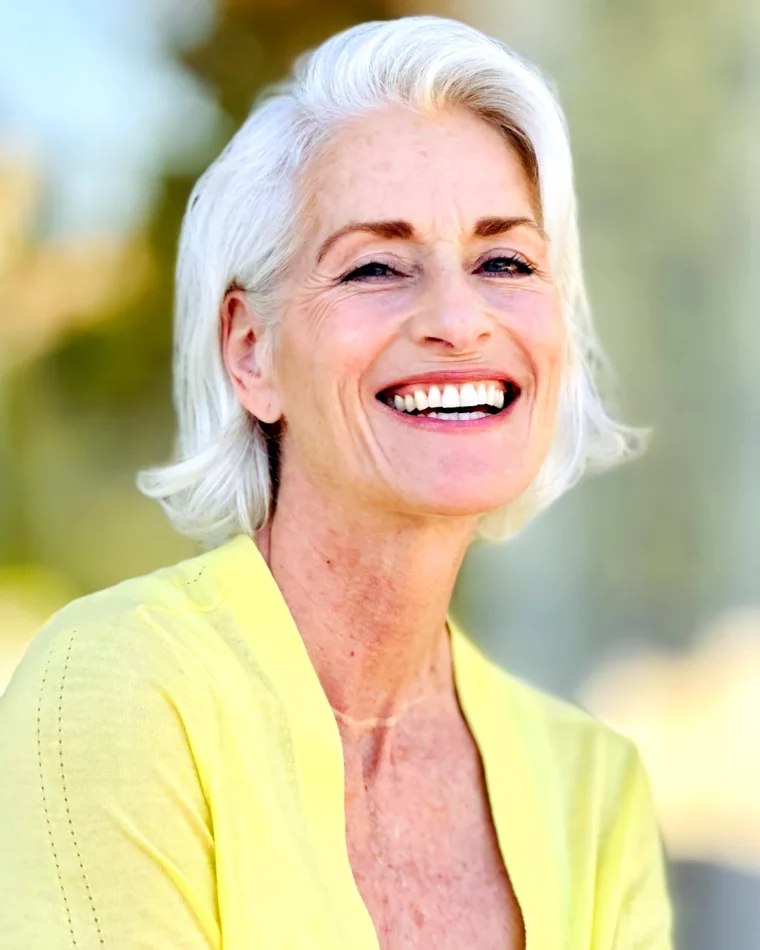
247,365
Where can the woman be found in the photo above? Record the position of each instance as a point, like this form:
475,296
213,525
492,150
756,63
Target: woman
382,351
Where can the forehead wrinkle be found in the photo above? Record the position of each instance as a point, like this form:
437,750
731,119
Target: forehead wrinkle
347,168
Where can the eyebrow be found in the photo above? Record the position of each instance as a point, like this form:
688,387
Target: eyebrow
404,231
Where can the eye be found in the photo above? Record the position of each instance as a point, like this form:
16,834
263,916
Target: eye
369,271
511,265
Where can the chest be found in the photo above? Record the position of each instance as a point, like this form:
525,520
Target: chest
423,849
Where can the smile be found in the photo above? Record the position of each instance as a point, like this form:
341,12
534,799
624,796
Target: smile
454,403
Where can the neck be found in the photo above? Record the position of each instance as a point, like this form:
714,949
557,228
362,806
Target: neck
369,593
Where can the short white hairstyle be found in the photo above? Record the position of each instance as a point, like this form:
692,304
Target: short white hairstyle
242,228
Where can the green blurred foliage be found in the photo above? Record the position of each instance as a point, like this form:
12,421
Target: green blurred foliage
80,421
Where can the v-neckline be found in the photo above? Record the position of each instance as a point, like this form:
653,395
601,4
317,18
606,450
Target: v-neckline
486,701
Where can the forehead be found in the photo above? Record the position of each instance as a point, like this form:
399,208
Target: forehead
452,168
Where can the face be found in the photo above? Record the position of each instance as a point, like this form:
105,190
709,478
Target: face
420,353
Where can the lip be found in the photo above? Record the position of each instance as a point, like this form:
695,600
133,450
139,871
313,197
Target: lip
472,374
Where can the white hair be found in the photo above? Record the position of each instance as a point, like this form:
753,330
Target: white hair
242,229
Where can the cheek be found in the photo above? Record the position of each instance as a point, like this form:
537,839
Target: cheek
363,324
327,348
533,318
550,346
548,340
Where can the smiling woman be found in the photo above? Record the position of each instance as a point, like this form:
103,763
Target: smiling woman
382,350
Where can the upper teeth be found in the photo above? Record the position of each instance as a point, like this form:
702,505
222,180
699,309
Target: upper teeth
452,397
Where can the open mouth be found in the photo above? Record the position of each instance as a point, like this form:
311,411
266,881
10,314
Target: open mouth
454,402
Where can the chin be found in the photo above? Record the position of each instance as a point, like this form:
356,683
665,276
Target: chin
453,502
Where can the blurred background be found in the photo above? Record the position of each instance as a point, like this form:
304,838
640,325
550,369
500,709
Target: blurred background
637,595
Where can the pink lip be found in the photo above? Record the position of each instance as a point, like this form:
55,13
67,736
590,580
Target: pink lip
475,373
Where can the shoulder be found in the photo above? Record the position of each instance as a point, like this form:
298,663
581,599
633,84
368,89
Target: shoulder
106,725
178,588
112,705
594,782
554,714
578,749
595,796
136,640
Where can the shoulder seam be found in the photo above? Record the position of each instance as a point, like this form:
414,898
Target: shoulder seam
48,823
64,789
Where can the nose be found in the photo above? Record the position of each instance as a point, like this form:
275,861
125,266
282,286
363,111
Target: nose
452,317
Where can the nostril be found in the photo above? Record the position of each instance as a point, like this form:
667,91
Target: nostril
460,337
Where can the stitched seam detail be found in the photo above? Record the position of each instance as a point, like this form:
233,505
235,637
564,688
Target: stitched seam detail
66,795
48,823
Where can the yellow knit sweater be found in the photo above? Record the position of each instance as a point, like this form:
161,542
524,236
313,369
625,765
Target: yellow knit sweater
171,778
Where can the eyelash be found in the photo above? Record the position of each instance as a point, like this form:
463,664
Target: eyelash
525,269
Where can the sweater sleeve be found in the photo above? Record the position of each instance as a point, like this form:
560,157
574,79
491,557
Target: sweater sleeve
633,904
105,833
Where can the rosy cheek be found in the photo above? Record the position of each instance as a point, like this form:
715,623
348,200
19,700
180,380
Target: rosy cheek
533,312
379,311
360,328
534,321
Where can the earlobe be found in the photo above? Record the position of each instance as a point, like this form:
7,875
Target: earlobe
245,358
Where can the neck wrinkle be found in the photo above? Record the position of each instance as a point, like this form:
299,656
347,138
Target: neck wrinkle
370,594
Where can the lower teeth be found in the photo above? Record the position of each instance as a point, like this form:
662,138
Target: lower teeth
459,416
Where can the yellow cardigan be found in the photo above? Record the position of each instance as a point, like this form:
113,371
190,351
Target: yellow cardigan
171,778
